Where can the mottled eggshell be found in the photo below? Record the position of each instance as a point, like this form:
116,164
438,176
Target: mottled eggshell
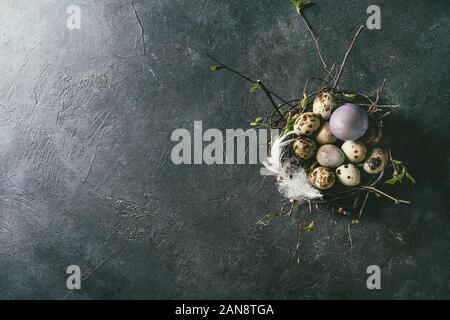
355,151
348,175
324,104
349,122
306,124
305,148
324,135
376,162
373,135
330,156
322,178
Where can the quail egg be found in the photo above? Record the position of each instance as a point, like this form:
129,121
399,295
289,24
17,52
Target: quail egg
373,134
324,135
322,178
376,162
349,122
348,175
355,151
306,124
330,156
324,104
305,148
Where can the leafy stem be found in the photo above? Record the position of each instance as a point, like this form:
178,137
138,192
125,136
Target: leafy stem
400,172
256,84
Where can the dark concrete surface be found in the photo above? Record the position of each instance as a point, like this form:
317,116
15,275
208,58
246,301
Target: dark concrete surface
85,173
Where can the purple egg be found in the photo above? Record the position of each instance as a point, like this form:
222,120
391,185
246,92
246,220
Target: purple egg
349,122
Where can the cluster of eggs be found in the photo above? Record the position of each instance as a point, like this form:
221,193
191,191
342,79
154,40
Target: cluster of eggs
319,132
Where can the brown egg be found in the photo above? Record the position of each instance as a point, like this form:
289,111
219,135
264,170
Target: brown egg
324,104
306,124
373,135
324,135
376,162
304,148
322,178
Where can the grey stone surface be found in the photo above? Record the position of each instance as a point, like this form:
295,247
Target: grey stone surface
85,172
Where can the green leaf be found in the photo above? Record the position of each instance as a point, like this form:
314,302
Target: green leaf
255,87
300,4
355,221
398,177
304,102
410,177
289,125
271,215
394,180
256,122
313,166
215,68
350,96
310,227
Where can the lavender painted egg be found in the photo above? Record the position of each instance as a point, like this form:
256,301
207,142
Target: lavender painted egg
349,122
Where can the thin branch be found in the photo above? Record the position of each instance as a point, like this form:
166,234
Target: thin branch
344,61
294,203
328,76
223,66
269,95
377,97
316,41
268,92
383,115
397,201
386,106
350,235
363,206
394,167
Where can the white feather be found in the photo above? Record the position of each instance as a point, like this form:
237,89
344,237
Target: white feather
292,181
273,163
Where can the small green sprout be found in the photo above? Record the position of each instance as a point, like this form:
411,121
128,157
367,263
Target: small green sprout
400,172
215,68
256,122
350,96
310,227
289,125
255,87
300,4
304,102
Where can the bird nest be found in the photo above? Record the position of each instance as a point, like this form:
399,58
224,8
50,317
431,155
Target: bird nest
303,173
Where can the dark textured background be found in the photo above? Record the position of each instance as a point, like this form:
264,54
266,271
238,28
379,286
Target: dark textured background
85,171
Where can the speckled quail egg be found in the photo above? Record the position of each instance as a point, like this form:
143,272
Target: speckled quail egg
348,175
324,104
376,162
373,135
324,135
306,124
322,178
355,151
330,156
305,148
